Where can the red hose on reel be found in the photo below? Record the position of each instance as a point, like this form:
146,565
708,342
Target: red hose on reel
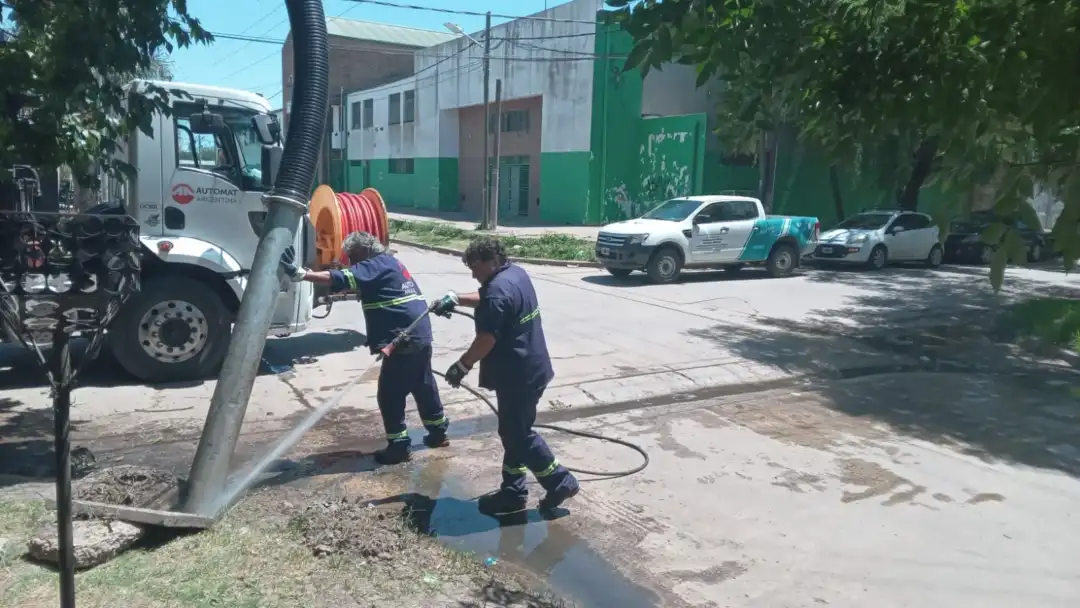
337,215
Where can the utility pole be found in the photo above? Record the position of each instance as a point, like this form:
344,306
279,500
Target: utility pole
486,215
494,205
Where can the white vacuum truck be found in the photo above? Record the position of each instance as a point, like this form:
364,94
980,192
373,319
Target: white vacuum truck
197,198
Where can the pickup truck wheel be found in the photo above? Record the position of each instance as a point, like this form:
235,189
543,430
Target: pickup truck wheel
622,273
176,329
664,266
782,261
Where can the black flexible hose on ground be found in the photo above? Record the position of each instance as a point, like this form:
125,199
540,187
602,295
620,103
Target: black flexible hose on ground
552,427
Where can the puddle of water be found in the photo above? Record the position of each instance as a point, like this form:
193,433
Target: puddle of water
447,511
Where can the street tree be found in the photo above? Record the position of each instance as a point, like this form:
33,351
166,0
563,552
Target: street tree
65,66
958,91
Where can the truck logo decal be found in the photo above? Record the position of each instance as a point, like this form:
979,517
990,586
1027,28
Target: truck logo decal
182,194
153,220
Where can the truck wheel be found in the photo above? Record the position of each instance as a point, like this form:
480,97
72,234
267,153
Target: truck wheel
664,266
176,329
622,273
782,261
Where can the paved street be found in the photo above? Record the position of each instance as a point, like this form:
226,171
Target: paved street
788,468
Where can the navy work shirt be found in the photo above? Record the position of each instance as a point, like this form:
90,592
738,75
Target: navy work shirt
389,296
509,310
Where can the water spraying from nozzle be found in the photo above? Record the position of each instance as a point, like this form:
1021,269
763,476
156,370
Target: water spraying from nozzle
234,490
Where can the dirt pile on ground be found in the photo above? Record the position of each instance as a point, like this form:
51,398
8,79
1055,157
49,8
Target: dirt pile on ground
353,528
130,486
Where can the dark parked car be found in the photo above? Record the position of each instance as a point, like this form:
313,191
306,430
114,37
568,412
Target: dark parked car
964,245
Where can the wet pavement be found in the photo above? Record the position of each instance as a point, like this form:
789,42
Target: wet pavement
805,451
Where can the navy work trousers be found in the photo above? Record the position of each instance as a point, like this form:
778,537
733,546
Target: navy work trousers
523,449
408,372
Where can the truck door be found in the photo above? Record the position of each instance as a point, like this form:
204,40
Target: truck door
742,224
709,235
215,193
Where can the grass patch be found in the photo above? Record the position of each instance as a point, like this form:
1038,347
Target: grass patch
259,557
1050,320
548,246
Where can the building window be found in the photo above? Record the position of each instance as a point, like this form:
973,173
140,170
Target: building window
356,116
369,114
401,165
513,121
394,117
408,110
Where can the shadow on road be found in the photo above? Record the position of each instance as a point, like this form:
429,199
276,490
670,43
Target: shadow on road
19,368
639,279
975,390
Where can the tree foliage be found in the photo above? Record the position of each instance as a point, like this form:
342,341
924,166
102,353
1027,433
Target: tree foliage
65,67
961,90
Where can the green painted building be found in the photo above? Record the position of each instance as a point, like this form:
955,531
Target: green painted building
581,141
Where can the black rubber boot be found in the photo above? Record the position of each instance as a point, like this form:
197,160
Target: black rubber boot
555,498
436,440
501,503
395,453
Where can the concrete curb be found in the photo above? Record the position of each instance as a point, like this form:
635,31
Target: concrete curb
535,261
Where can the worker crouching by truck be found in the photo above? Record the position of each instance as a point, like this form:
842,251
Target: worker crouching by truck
514,362
391,301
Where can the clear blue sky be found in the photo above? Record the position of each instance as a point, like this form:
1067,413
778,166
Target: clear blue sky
256,66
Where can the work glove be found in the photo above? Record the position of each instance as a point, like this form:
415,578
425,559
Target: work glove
445,305
288,264
456,374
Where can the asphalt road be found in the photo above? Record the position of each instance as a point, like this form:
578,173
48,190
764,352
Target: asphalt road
773,483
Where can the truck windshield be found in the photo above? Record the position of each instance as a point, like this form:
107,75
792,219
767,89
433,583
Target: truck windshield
865,221
212,152
247,141
675,210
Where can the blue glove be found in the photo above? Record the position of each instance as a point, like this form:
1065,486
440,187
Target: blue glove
445,305
288,265
456,374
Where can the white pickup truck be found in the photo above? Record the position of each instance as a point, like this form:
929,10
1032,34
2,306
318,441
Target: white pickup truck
705,231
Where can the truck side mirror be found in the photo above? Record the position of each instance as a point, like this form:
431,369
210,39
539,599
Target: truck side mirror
267,129
207,123
701,218
270,161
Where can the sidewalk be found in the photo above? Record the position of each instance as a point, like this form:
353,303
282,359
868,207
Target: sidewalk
513,226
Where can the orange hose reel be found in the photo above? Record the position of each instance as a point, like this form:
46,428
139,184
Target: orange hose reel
337,215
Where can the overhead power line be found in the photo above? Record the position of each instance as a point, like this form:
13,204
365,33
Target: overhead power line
451,11
420,52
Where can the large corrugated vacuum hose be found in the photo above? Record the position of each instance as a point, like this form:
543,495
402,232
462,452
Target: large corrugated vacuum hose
307,115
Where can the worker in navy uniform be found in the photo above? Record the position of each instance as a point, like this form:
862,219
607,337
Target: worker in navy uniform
391,301
514,362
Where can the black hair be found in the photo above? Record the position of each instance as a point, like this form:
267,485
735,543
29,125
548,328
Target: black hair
485,249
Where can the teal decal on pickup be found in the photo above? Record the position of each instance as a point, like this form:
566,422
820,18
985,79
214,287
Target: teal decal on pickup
769,230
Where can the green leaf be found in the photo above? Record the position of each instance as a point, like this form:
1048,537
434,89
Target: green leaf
993,233
997,268
662,49
638,55
1016,247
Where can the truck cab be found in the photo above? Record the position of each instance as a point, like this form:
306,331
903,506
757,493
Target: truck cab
197,199
718,231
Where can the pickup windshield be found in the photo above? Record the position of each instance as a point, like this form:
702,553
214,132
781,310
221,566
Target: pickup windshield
865,221
675,210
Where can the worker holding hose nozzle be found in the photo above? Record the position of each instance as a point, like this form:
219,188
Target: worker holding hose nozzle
514,362
391,301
